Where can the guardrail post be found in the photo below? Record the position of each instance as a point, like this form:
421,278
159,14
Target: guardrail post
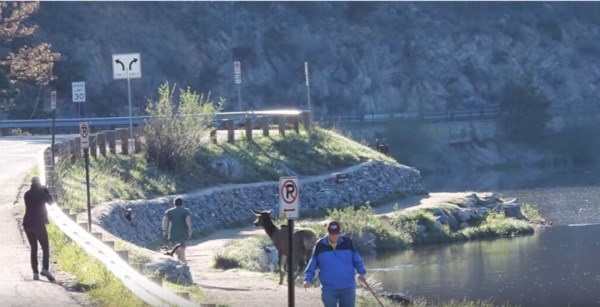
111,137
248,125
93,146
281,124
157,279
110,244
124,255
296,123
228,123
77,143
123,134
263,121
213,136
62,149
102,143
307,120
72,149
185,295
137,139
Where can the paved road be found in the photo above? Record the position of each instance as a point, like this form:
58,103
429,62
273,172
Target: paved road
17,157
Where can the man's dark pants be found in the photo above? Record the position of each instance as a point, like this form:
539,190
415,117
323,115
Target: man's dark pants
35,235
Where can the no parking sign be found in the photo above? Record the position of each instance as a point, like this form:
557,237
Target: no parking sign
289,203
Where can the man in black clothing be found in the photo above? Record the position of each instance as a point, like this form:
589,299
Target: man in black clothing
34,223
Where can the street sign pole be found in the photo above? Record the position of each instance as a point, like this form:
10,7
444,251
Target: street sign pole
239,97
86,156
84,131
53,134
53,107
289,208
290,264
307,84
237,78
127,66
130,110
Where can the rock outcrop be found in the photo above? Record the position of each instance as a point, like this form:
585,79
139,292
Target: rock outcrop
364,57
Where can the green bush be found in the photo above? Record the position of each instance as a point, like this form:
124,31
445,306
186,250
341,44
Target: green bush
174,132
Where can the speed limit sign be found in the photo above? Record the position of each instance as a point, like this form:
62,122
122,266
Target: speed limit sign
78,91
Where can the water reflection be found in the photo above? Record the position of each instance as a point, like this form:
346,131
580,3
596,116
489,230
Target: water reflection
555,267
558,266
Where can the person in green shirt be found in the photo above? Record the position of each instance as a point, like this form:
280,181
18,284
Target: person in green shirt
177,227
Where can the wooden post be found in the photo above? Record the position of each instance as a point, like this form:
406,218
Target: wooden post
230,130
77,143
248,125
124,255
72,149
307,121
296,123
157,279
111,137
264,124
123,134
281,124
102,143
137,138
93,146
213,136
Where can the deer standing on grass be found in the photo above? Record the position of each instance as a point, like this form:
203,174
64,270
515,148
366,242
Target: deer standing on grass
303,242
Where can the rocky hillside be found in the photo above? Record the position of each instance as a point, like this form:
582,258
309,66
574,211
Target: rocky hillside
364,56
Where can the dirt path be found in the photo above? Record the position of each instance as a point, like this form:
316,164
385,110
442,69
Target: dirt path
240,287
244,288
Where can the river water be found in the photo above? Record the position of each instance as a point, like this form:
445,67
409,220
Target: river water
557,266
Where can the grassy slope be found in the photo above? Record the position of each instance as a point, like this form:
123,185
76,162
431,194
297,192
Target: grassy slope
264,159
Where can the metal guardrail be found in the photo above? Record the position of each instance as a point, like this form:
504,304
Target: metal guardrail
148,291
137,120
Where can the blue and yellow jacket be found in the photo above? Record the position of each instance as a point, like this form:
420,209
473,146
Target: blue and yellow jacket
337,266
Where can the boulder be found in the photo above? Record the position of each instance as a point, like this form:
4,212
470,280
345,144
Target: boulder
171,269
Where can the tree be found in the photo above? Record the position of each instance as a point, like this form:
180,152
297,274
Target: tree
524,112
174,132
31,65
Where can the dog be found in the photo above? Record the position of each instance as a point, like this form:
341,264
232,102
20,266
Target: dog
169,251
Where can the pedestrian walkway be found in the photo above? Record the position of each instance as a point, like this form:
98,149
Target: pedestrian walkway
17,287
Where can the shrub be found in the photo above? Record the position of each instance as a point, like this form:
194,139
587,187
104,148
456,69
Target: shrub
174,132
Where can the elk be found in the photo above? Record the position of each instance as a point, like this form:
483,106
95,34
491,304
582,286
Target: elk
303,242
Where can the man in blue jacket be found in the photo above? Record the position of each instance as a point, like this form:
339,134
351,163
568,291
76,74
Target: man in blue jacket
338,261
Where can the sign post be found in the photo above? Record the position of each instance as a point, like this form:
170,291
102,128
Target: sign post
237,77
78,93
53,108
306,78
127,66
84,132
289,209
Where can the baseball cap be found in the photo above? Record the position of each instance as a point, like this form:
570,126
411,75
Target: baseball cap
333,227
